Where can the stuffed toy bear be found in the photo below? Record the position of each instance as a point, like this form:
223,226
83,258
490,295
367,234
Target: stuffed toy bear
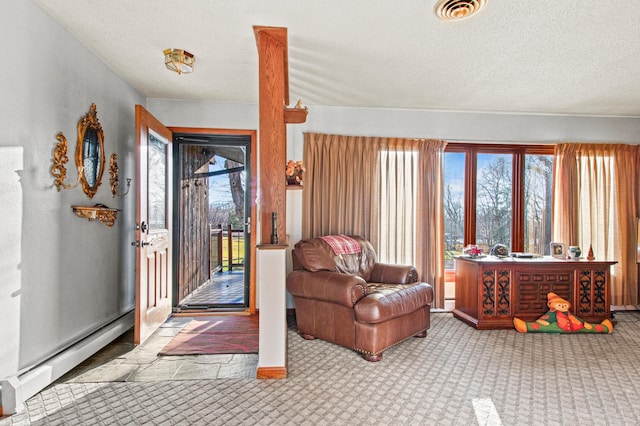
559,320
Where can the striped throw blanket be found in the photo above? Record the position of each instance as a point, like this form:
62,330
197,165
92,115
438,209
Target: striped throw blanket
342,244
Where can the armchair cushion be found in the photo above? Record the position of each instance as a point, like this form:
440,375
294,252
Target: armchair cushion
388,301
333,287
314,255
397,274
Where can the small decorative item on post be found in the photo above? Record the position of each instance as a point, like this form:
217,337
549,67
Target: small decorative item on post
274,228
293,172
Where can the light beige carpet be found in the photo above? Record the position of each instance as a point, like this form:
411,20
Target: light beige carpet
456,376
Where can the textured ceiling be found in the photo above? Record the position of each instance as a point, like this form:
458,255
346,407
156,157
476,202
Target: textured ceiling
541,56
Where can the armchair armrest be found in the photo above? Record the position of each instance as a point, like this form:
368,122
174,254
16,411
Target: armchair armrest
393,274
328,286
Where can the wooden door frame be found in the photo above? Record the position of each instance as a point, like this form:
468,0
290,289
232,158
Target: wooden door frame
253,185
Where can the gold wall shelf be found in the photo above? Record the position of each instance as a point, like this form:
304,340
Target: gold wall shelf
101,212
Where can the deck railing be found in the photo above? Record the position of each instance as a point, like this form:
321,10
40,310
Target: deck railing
227,248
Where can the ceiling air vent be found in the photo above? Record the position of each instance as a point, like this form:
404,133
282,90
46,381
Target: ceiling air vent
455,10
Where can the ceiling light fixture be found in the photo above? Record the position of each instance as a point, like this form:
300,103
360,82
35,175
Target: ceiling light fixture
455,10
179,60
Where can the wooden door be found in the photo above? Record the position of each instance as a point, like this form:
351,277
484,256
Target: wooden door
153,300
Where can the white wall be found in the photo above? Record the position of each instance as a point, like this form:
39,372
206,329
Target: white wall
62,277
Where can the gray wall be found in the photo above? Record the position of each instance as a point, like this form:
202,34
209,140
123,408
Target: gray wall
61,277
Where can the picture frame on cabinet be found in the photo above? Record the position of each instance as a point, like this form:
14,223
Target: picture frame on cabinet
557,250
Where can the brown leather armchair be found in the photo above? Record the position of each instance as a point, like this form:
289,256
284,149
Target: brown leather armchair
354,301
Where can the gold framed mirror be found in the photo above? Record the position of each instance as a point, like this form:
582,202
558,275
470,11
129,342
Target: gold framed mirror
90,157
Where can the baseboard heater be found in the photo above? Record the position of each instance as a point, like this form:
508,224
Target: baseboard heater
15,390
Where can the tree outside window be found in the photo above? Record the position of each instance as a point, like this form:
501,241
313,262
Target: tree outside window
508,202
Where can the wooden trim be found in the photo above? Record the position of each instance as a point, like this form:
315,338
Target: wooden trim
500,148
271,373
214,131
518,152
517,202
470,188
200,313
272,246
253,134
254,222
449,275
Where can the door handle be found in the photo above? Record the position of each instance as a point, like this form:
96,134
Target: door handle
139,243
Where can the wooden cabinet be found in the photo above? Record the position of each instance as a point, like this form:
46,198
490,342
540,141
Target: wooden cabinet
490,291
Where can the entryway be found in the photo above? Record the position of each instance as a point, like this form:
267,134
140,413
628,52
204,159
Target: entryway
124,361
212,175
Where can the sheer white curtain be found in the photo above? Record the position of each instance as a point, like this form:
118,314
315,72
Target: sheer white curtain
397,205
388,190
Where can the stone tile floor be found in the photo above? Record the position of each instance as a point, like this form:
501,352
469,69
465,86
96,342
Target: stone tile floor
223,288
122,361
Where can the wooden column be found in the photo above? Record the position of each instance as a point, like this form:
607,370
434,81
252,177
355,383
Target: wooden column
273,88
273,96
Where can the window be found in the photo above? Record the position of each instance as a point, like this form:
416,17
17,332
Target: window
493,194
453,204
538,198
497,194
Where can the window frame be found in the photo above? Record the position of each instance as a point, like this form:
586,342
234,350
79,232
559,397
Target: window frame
518,152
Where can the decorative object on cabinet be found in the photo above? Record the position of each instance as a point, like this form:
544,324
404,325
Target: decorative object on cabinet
179,60
114,181
294,171
499,250
557,250
558,319
90,152
590,255
472,250
58,169
574,252
101,212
